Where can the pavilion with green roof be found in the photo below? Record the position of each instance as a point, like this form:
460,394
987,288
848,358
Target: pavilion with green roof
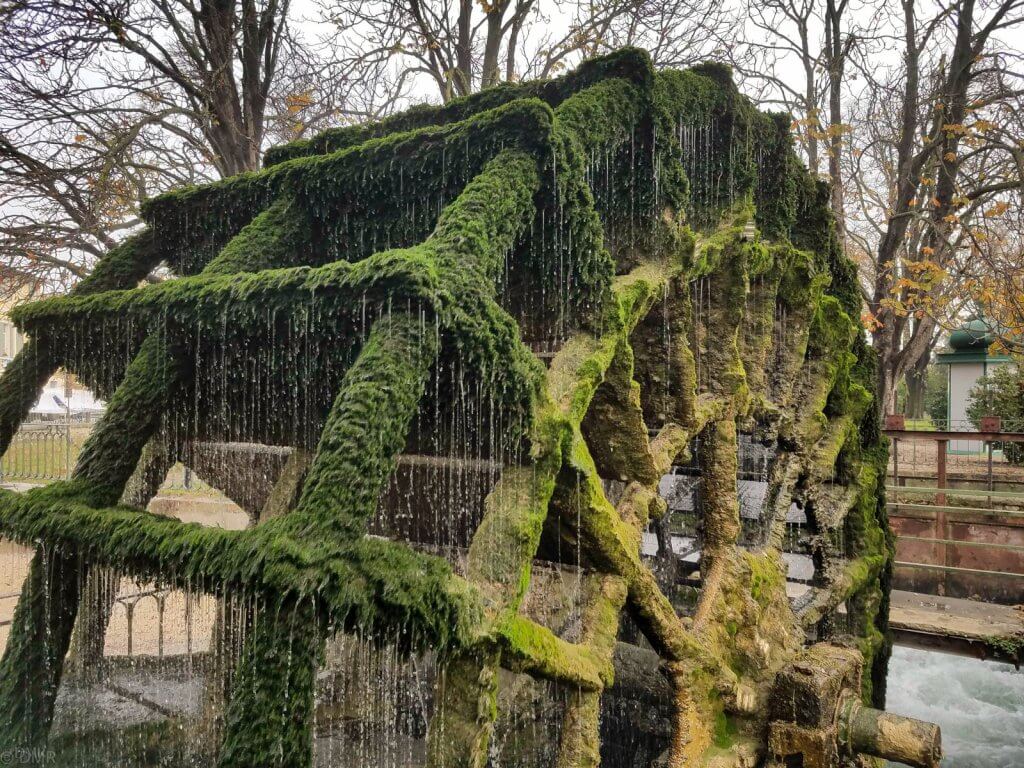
967,359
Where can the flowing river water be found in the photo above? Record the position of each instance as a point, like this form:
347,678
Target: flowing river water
979,705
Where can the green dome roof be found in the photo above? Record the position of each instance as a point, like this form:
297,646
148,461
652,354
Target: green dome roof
975,334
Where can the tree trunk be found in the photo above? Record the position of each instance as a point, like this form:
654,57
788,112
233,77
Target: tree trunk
813,124
492,46
916,377
462,78
513,41
836,63
884,341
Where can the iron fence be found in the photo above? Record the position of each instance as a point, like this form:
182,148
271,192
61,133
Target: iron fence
42,452
928,424
956,505
966,450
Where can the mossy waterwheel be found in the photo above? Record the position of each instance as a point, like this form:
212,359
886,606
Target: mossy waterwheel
553,294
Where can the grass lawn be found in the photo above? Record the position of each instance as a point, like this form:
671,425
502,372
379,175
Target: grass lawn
920,425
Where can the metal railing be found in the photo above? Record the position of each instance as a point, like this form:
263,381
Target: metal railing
928,424
43,452
999,565
991,442
129,602
959,525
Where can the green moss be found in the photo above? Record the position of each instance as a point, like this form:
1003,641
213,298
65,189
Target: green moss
378,585
825,393
453,275
381,391
628,63
767,580
725,731
434,242
501,554
866,531
531,648
269,719
33,657
781,178
284,227
759,322
800,289
726,145
728,255
466,703
614,428
383,193
1008,646
831,329
814,230
206,302
871,642
871,545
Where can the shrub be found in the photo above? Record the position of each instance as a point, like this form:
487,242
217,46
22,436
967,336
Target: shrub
1000,394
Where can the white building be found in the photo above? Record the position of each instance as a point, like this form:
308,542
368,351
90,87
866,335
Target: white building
11,341
61,396
967,359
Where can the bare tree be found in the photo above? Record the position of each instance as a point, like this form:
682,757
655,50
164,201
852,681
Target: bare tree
838,47
795,54
456,45
461,47
995,281
785,32
72,174
675,34
104,103
792,55
932,156
210,64
319,88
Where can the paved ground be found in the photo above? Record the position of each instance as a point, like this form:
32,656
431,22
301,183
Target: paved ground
14,562
953,617
211,511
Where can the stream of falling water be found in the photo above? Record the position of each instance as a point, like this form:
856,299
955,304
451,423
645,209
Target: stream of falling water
979,705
